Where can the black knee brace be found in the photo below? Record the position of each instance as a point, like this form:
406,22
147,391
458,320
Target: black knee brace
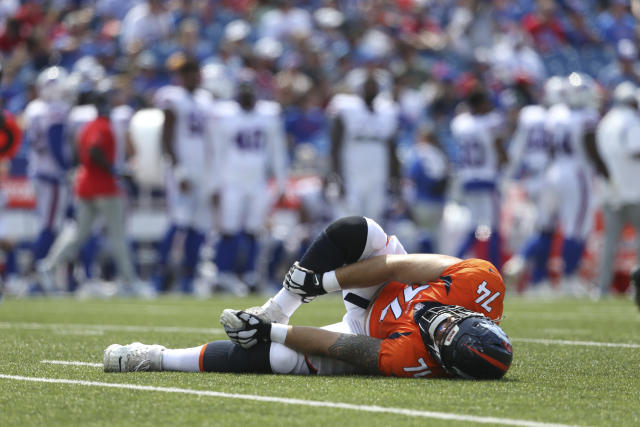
225,356
340,243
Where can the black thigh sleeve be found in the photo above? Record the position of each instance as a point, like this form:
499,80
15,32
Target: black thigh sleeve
340,243
225,356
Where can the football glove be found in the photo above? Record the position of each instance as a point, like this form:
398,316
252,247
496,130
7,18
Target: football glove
303,282
245,329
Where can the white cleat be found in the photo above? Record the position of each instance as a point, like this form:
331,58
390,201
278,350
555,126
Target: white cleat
270,311
229,319
133,357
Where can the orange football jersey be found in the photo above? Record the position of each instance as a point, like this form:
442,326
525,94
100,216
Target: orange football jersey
473,284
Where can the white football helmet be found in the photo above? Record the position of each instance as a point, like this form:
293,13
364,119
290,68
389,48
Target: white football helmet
555,90
86,74
217,81
625,93
89,69
582,91
354,80
51,84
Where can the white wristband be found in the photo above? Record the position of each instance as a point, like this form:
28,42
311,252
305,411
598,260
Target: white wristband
279,332
330,281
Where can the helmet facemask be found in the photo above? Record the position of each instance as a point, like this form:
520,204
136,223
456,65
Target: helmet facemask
465,343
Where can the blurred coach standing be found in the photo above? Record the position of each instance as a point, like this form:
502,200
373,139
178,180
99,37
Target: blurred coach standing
618,141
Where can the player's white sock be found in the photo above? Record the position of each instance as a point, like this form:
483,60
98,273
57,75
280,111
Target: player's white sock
182,359
288,301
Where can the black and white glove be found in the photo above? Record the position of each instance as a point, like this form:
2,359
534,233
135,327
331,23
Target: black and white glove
245,329
303,282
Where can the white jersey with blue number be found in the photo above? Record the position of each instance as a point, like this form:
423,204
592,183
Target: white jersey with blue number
529,153
249,144
120,118
191,140
475,136
365,151
583,121
44,125
558,131
567,129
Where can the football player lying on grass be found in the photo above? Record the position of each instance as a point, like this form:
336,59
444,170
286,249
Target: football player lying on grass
408,315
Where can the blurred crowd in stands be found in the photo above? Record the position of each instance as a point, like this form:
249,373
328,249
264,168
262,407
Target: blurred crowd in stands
429,56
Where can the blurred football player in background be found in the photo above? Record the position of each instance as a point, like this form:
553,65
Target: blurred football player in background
97,196
419,315
530,155
618,139
428,172
187,146
49,155
568,202
481,155
363,148
80,84
84,77
528,151
250,147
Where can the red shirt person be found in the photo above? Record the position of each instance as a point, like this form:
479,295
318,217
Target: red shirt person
96,149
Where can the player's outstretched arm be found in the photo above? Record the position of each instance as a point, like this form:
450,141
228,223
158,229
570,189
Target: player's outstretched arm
248,330
359,350
407,268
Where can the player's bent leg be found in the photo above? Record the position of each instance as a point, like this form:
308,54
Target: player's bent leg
342,242
216,356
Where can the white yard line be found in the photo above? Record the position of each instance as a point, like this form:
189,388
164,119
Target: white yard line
87,328
301,402
72,362
578,343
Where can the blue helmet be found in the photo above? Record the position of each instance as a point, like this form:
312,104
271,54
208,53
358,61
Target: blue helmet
465,343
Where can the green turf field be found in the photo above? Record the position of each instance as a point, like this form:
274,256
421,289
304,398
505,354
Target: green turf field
587,374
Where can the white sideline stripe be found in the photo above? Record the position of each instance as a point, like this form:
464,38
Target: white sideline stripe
78,332
314,403
584,343
119,328
90,329
72,362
